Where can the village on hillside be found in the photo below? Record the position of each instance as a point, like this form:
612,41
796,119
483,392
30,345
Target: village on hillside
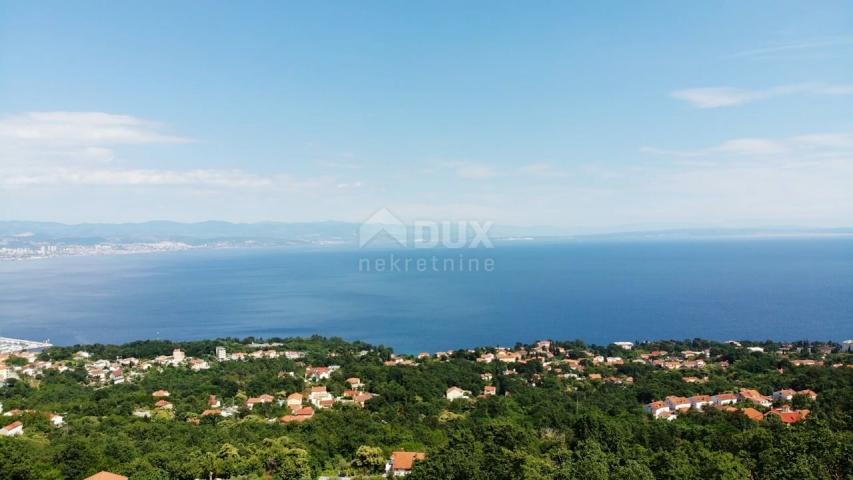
322,382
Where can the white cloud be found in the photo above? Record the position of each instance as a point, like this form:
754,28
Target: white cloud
826,142
83,128
469,170
751,146
190,178
718,97
791,47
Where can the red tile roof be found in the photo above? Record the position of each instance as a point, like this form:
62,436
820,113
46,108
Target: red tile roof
106,476
405,460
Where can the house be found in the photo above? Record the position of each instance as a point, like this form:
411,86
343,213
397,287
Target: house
668,416
299,415
142,413
677,403
106,476
56,420
265,398
401,462
320,373
784,395
788,416
456,393
808,393
624,345
722,399
178,356
319,397
700,401
160,394
294,400
755,397
213,402
163,405
752,414
211,412
198,364
12,430
806,363
355,383
490,391
656,409
362,398
117,376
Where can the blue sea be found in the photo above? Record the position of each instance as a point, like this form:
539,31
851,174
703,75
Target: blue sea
782,289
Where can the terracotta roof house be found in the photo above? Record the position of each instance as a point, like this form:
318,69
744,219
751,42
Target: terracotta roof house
299,415
106,476
677,403
657,409
490,390
721,399
785,394
755,397
12,430
788,416
454,393
700,401
753,414
160,394
401,463
163,404
808,393
354,382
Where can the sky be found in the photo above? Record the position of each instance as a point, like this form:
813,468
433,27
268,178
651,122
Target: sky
588,116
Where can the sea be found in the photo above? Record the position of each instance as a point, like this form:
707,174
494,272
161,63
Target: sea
596,291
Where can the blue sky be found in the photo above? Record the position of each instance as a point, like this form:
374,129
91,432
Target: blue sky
584,115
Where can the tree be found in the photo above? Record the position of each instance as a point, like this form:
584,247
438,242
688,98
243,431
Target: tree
369,459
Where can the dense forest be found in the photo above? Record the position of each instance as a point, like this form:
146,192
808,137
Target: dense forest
540,424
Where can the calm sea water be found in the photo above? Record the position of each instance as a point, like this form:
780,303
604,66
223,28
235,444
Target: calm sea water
599,292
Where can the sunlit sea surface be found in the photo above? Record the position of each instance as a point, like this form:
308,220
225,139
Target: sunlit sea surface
599,292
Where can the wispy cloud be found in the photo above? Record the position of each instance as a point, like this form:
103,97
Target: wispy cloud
792,47
718,97
86,128
815,142
138,177
69,149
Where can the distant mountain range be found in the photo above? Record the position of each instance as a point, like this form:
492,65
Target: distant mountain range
26,233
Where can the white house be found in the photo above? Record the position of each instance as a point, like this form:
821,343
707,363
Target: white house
656,409
455,393
56,420
12,430
700,401
721,399
677,403
221,354
784,394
